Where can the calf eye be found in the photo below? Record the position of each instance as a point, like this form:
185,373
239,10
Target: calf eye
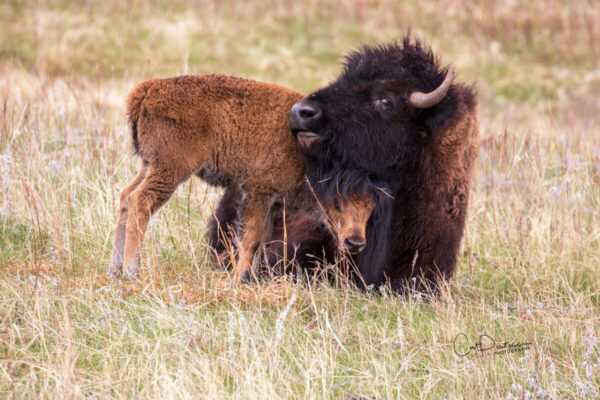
336,205
384,104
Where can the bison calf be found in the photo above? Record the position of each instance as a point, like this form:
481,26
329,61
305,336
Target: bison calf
306,237
229,131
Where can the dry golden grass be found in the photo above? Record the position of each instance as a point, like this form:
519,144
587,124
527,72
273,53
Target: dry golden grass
528,268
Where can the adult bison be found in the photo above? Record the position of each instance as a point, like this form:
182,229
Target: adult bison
395,114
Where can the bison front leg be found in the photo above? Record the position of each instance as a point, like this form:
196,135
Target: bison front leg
154,191
115,268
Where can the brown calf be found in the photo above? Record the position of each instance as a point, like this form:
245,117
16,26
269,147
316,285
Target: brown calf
310,239
231,132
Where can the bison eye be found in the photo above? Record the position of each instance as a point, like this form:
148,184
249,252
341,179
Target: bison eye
384,104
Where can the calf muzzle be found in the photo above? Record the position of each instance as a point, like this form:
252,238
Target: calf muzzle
355,244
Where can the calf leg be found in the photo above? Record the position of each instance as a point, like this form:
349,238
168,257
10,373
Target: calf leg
267,233
156,188
254,220
116,259
222,225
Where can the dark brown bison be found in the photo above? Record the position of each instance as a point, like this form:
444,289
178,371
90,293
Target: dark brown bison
229,131
396,115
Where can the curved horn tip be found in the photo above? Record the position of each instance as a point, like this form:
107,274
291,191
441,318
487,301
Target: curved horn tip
450,73
428,100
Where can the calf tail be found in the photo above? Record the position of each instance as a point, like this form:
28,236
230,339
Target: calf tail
134,107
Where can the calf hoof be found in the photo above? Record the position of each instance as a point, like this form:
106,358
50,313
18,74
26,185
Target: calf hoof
246,275
115,268
242,278
131,272
115,272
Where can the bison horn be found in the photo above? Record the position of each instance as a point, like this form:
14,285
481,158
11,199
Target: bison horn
427,100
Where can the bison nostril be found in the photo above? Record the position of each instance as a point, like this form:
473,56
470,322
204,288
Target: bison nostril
305,111
355,244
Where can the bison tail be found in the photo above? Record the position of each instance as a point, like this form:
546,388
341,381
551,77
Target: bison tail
134,106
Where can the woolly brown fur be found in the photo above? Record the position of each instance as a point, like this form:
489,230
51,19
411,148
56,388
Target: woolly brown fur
231,132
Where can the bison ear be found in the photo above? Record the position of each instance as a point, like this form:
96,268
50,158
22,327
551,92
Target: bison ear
307,140
436,119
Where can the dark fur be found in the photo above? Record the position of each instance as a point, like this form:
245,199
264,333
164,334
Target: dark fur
424,155
224,222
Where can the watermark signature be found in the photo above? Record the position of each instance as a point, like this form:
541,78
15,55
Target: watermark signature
486,345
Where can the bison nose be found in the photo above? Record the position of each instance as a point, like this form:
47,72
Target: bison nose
355,244
302,113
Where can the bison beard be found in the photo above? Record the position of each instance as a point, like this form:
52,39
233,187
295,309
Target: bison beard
367,120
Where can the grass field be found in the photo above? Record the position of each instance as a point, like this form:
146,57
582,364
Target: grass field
528,269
